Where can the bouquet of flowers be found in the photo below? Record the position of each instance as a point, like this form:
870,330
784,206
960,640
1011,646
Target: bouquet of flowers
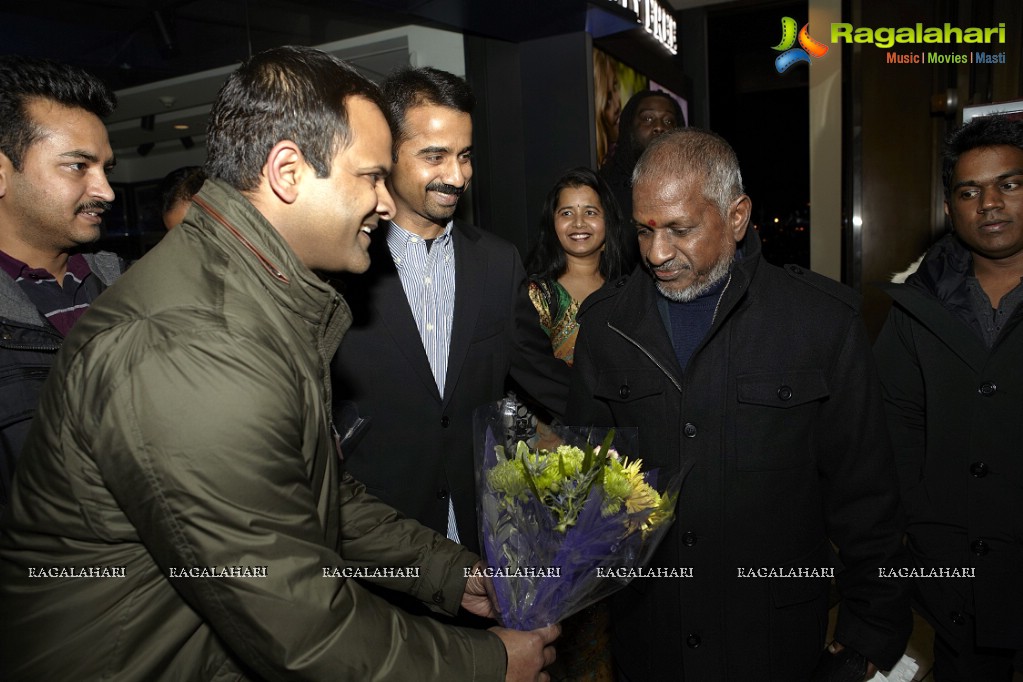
559,520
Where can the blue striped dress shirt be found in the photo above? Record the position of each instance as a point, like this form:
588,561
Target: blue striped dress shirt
428,278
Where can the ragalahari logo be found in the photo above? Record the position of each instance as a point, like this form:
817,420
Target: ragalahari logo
808,47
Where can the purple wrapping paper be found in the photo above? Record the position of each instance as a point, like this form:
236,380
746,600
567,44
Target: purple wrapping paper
544,575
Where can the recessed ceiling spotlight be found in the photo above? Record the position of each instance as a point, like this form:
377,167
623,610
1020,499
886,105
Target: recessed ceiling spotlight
180,126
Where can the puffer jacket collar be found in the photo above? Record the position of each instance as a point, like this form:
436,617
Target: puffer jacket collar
943,273
936,290
233,221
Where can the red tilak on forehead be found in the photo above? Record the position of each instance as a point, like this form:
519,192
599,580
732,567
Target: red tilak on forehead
652,222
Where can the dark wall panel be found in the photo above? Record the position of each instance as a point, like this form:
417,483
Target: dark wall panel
534,118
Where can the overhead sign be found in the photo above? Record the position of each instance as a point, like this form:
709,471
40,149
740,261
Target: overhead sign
656,19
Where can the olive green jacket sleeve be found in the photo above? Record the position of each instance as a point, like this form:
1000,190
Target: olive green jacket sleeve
235,475
378,539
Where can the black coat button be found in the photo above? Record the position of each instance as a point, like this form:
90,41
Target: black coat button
689,430
438,597
979,547
442,494
620,283
957,618
444,421
624,392
688,538
693,640
784,393
978,469
987,389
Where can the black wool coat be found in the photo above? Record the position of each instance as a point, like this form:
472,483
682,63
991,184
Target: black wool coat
778,421
955,411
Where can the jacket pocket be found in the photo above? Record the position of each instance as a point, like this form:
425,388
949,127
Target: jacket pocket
799,616
634,397
20,387
776,416
629,386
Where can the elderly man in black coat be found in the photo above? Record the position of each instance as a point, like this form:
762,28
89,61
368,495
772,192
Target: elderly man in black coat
758,382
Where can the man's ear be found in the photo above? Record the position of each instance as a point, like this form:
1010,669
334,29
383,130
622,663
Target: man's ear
284,170
738,217
6,169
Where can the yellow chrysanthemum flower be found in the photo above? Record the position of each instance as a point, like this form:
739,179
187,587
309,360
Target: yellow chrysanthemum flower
641,498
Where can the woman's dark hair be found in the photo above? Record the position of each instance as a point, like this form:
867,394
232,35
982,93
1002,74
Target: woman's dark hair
547,259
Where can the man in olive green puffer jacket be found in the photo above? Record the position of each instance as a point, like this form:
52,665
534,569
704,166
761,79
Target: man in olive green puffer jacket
180,511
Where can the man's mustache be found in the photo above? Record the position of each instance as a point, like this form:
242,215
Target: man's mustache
670,266
444,188
103,206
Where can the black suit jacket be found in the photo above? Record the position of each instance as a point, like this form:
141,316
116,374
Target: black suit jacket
419,447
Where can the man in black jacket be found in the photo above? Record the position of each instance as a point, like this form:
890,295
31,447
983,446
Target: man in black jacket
441,320
54,160
757,383
951,363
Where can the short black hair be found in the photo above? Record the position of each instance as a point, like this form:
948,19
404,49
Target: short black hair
25,78
412,87
984,131
285,93
547,259
181,184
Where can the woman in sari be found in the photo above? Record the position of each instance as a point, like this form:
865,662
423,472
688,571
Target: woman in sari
582,243
580,246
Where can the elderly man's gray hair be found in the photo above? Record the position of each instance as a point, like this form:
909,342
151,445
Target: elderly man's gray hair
685,152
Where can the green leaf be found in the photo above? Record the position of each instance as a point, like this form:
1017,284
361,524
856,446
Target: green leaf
587,457
521,451
602,458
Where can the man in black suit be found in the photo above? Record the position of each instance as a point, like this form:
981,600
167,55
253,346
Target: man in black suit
444,318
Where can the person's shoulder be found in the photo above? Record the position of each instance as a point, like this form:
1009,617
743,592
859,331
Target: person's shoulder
600,299
478,235
818,286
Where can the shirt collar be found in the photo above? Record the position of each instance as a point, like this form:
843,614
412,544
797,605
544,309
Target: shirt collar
76,265
399,239
11,265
